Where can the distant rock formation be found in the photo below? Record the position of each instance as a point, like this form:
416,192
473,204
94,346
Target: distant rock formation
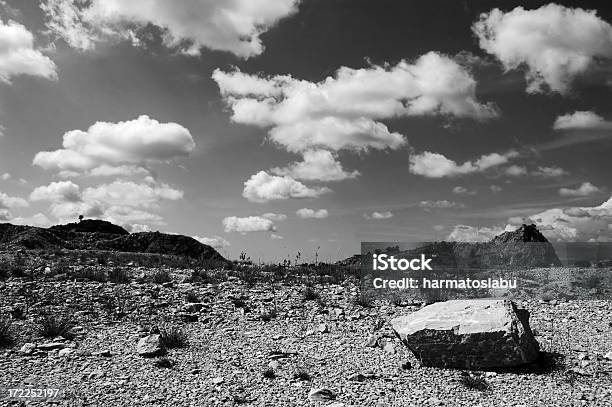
469,334
103,235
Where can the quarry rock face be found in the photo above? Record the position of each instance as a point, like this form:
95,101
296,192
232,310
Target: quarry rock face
469,334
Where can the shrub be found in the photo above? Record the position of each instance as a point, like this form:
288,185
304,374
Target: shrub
161,276
51,326
593,282
364,300
91,274
302,375
102,259
269,315
173,337
199,277
192,297
474,381
163,362
6,332
269,374
119,275
309,294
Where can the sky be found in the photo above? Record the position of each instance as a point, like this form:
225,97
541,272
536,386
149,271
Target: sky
278,127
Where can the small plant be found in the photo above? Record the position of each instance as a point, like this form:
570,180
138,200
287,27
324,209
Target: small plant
269,315
269,374
91,274
173,337
163,362
50,326
309,294
161,277
102,259
6,332
593,282
474,381
301,375
18,312
364,300
239,302
119,276
199,277
192,297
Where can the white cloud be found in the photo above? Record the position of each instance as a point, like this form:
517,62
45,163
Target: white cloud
318,165
585,189
216,242
581,120
460,190
248,224
515,171
441,204
120,202
378,215
12,202
263,187
306,213
39,220
57,191
495,188
341,112
553,42
187,25
123,145
435,165
5,177
274,236
18,55
549,172
276,217
464,233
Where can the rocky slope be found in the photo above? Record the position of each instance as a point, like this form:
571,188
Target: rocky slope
102,235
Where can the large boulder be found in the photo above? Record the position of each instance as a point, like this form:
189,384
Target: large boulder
469,334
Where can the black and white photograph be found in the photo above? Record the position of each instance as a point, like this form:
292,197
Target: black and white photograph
335,203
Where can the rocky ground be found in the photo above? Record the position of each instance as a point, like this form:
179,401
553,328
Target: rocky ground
265,343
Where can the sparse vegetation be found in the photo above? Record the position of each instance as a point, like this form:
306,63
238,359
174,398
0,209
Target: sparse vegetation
173,337
364,300
163,362
51,326
309,294
269,374
6,332
119,275
474,381
161,277
91,274
269,315
191,296
301,374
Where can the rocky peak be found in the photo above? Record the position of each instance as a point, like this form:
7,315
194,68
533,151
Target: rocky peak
526,233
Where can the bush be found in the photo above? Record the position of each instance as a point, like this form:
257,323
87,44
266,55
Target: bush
163,362
161,277
91,274
173,337
192,297
593,282
309,294
6,332
51,326
119,275
474,381
200,277
302,375
269,374
269,315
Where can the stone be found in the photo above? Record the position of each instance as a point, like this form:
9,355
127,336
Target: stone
150,346
389,348
193,307
608,355
27,348
321,394
323,328
469,334
217,380
51,346
372,341
65,352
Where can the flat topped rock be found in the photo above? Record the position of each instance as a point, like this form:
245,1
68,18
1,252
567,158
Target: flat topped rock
469,334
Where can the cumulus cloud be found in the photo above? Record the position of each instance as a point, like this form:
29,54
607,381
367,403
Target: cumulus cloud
341,112
5,215
465,233
440,204
12,202
495,188
585,189
581,120
435,165
306,213
189,25
555,43
39,220
263,187
460,190
126,146
276,217
248,224
18,55
122,202
274,236
378,215
318,165
216,242
515,171
5,177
